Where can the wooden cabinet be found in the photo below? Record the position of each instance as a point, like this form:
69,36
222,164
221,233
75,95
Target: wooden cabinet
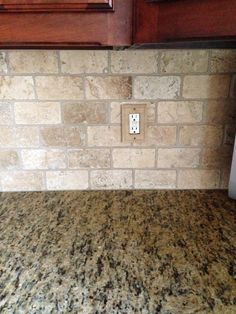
107,23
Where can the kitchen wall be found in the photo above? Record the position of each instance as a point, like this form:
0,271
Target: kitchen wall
60,119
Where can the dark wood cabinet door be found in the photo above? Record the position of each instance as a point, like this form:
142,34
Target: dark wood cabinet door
55,5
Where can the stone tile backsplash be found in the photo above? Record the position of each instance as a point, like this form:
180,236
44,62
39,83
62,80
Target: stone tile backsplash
60,118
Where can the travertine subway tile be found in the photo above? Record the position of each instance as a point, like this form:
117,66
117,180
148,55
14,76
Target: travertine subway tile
37,113
111,179
217,158
89,158
133,158
16,87
84,61
156,87
3,63
199,179
22,181
229,136
9,160
178,158
104,136
5,113
223,61
221,111
67,180
33,61
155,179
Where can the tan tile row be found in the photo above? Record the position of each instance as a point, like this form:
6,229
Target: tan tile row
109,179
121,62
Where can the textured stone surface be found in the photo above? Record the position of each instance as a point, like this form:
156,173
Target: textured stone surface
34,61
223,61
67,180
59,87
118,252
109,87
5,113
89,158
37,113
201,135
84,61
136,61
160,136
180,61
91,113
217,157
19,137
178,158
179,111
21,181
220,111
229,136
199,179
156,87
16,87
206,86
111,179
43,159
3,62
133,158
155,179
104,136
63,136
9,159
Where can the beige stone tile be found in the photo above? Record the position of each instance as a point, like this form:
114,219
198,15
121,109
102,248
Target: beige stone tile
59,87
198,179
67,180
217,157
43,159
155,179
9,160
233,87
206,86
105,136
108,87
225,175
220,111
84,61
136,61
178,158
184,61
179,111
16,87
160,136
3,63
91,113
33,61
133,158
111,179
201,135
89,158
229,136
63,136
223,61
5,113
37,113
21,181
156,87
19,137
115,108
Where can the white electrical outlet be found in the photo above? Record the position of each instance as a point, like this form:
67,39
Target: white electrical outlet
134,123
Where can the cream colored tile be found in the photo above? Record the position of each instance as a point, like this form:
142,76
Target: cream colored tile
26,137
223,61
9,160
108,136
37,113
160,136
155,179
184,61
33,61
89,158
201,135
111,179
136,61
91,113
16,87
179,111
206,86
178,158
156,87
109,87
84,61
67,180
3,62
63,136
43,159
5,114
59,87
21,181
133,158
198,179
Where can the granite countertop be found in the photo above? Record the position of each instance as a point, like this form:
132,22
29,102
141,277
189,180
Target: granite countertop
168,252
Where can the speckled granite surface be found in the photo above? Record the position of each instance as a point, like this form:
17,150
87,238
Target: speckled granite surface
118,252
